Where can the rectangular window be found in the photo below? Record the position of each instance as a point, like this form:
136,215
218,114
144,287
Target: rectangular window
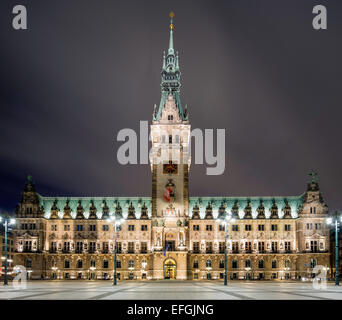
143,248
314,247
170,138
105,227
28,246
105,247
248,247
274,246
274,227
92,227
261,246
248,227
287,246
144,227
209,247
309,226
53,247
118,247
195,227
131,227
66,246
209,227
221,227
221,247
79,227
318,226
92,247
196,247
235,247
79,247
235,227
130,247
67,227
261,227
54,227
287,227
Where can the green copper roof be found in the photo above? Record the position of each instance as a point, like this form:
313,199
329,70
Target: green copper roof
170,79
111,202
294,202
137,202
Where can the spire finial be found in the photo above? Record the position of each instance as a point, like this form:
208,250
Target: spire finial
171,51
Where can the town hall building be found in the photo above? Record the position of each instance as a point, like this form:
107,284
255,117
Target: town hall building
171,235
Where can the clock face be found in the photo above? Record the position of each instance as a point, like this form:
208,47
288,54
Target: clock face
170,168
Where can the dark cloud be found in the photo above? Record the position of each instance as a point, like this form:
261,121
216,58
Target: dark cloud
86,69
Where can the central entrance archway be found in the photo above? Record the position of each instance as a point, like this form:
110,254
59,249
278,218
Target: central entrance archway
169,269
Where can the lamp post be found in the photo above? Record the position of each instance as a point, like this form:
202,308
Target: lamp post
7,222
225,221
336,220
116,223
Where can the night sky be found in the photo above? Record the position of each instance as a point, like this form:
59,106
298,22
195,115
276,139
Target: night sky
86,69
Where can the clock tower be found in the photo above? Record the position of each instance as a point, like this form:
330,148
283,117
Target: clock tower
170,163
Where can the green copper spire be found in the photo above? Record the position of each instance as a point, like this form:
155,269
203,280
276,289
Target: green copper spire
170,82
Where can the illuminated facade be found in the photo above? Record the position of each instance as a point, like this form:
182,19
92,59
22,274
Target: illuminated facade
171,235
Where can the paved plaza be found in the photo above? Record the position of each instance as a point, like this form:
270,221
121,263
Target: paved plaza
173,290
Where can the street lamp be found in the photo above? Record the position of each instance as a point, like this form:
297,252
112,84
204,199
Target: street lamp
116,223
336,219
225,221
7,222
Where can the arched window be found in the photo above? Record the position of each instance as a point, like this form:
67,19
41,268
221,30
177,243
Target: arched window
274,264
92,263
234,264
131,263
66,264
79,264
208,263
28,263
261,264
118,264
313,263
248,263
195,264
287,264
221,264
105,264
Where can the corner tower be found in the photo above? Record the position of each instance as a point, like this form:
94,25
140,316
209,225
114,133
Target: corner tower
170,162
